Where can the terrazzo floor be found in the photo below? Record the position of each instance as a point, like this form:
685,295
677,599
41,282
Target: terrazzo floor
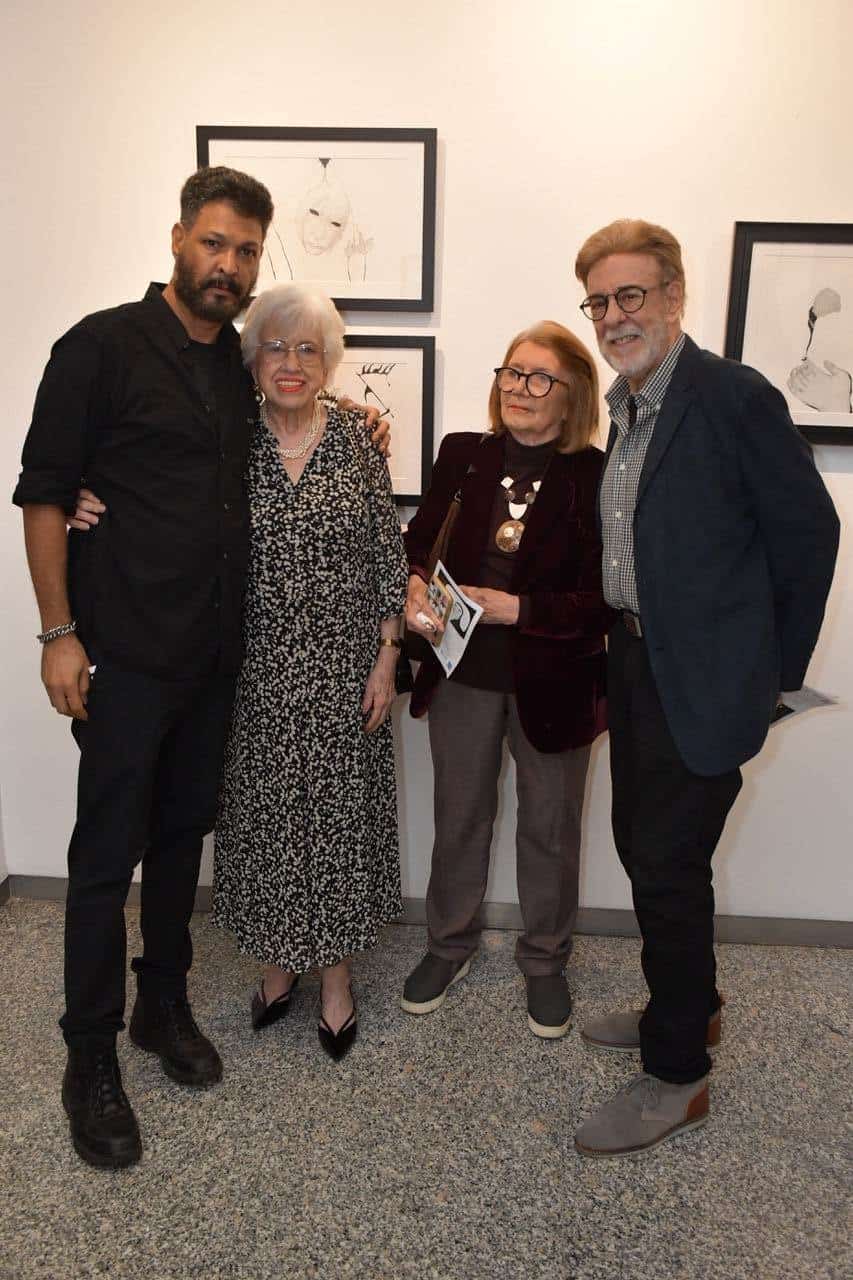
441,1148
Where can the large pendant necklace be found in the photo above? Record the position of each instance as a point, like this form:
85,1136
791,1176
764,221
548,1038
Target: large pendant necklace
509,534
299,450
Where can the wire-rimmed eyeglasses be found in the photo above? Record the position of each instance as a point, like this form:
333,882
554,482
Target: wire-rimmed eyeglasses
538,384
307,353
629,298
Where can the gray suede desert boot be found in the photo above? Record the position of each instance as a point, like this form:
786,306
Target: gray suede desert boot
620,1032
644,1113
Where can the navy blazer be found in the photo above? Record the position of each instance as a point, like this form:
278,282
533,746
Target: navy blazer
735,541
558,658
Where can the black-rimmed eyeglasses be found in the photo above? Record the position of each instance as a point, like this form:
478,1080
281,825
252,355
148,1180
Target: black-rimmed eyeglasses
538,384
629,298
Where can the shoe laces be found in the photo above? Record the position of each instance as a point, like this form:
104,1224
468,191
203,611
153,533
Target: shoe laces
648,1086
107,1091
178,1014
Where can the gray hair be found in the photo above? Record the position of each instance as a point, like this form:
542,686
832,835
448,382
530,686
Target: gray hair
293,306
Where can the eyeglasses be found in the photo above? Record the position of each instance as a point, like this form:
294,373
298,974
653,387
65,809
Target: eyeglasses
538,384
629,298
307,353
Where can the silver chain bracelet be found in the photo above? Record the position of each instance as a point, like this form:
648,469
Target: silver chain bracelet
54,633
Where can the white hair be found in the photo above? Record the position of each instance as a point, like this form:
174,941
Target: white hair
294,306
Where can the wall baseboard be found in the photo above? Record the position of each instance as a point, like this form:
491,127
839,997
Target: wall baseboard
610,922
596,921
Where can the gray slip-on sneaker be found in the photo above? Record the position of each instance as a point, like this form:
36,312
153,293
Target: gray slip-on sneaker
427,985
549,1005
620,1032
644,1113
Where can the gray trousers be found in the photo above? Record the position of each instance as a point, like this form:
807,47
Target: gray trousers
466,729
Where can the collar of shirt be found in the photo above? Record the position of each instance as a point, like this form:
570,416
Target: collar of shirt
163,319
651,394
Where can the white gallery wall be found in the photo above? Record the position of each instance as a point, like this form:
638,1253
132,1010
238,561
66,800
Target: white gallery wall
552,120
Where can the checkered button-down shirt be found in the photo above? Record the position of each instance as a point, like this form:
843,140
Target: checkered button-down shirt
634,418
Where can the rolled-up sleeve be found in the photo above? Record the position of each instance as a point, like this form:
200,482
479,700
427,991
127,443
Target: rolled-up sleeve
61,433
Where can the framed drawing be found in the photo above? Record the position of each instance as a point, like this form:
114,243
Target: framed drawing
398,376
791,317
354,208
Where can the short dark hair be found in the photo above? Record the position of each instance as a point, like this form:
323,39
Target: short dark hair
248,196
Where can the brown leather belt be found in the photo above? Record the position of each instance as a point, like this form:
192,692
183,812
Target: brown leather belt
632,624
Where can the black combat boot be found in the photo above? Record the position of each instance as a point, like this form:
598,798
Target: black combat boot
103,1127
165,1026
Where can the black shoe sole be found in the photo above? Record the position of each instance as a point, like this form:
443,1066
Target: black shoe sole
103,1160
191,1080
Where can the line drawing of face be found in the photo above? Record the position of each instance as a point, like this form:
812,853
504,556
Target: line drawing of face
370,375
324,218
826,303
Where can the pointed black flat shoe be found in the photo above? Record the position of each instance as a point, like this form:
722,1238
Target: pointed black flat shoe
263,1014
338,1043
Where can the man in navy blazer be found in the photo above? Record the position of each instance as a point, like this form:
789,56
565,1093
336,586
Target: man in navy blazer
719,543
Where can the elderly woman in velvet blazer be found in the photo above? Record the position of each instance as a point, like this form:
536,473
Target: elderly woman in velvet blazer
525,545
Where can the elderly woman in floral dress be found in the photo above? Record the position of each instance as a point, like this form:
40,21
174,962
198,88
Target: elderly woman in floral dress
307,857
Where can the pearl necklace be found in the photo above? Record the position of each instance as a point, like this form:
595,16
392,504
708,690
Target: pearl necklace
299,450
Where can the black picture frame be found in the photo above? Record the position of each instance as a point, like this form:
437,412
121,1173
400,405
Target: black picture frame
262,150
412,418
786,292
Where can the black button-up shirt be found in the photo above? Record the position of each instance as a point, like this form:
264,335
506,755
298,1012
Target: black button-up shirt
160,431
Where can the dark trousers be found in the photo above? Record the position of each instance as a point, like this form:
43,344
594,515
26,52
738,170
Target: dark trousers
666,824
467,728
150,760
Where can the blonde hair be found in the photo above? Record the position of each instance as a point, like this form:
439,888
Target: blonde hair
581,420
632,235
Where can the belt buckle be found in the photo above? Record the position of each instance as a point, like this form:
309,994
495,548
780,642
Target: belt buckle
632,624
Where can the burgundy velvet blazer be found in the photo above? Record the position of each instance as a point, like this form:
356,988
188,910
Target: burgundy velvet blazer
558,658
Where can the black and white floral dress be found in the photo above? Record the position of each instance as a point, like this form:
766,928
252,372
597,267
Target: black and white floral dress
307,865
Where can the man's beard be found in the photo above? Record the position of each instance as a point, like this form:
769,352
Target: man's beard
654,344
193,297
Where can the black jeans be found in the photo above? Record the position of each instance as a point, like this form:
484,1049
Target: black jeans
666,824
150,761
